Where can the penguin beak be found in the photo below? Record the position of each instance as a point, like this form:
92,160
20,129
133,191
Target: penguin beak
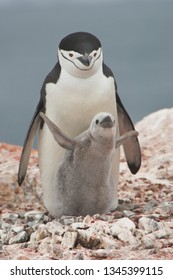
85,59
107,122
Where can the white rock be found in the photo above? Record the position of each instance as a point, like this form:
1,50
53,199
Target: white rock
89,238
139,233
3,236
121,225
128,213
115,230
17,228
162,233
55,228
50,247
5,225
9,216
168,224
149,225
34,215
79,225
127,236
19,238
148,241
40,233
100,227
69,240
108,243
87,220
45,246
67,220
1,247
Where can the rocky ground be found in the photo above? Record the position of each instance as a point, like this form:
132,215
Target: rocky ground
141,228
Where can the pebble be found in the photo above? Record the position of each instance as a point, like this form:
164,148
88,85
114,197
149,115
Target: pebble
55,228
68,220
79,225
40,233
3,236
162,233
139,233
19,238
101,227
17,228
57,251
87,220
115,230
34,215
78,256
148,241
108,243
69,239
149,225
103,217
128,213
163,243
122,225
9,217
127,236
50,246
0,246
88,238
5,225
45,246
101,253
165,208
150,205
117,215
168,224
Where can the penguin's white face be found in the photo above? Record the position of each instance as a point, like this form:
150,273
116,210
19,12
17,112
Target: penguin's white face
81,65
103,127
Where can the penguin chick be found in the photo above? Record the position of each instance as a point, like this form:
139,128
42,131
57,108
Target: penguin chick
84,178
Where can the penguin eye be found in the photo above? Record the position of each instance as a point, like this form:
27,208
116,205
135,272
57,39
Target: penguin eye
97,121
95,53
71,54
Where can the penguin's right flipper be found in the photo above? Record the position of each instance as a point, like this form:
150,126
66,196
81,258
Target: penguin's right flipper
28,143
52,77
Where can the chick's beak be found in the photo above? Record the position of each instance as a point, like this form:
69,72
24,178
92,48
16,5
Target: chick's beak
107,122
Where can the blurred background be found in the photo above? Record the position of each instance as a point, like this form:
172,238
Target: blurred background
136,35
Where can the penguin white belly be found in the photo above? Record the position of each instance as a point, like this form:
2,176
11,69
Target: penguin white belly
71,105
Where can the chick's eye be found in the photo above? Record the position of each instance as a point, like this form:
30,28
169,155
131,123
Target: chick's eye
70,54
97,121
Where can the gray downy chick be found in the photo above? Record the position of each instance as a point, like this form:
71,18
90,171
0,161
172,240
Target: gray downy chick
84,179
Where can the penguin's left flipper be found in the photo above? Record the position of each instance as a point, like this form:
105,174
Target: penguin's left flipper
28,143
131,147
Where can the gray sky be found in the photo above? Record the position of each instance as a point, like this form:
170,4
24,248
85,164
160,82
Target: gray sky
137,40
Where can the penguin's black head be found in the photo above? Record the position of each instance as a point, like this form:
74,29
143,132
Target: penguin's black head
81,42
80,54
